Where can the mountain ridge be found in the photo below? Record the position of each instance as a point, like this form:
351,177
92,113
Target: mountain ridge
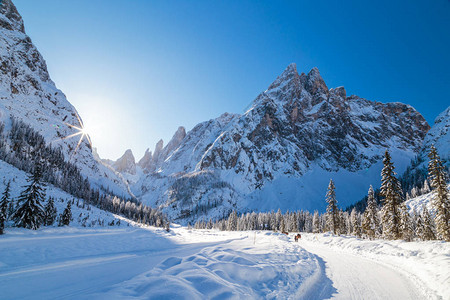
295,128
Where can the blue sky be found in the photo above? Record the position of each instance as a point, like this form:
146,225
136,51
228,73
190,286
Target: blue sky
136,70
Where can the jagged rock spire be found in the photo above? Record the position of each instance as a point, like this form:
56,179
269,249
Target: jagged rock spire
315,83
126,163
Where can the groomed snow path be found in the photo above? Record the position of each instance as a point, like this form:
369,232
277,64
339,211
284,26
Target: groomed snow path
359,278
380,269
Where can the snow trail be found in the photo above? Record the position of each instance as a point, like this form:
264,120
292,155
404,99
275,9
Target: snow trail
358,278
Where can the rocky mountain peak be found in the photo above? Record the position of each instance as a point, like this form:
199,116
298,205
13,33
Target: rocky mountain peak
10,18
179,134
315,83
289,76
340,92
126,163
145,161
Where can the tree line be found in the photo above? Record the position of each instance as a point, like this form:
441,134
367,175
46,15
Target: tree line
390,220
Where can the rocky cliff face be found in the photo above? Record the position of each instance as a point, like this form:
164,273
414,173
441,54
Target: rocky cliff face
295,131
27,93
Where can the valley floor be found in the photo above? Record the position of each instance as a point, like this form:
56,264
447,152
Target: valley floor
149,263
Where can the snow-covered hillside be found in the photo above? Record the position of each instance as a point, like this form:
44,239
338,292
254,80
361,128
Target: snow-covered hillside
28,94
83,215
149,263
417,170
439,135
282,152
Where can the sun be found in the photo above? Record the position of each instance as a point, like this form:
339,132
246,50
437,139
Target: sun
81,131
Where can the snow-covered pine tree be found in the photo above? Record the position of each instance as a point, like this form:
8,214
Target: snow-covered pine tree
282,225
356,224
5,200
392,193
332,209
30,213
419,228
370,223
344,222
4,204
441,198
66,216
406,229
316,222
2,222
426,230
232,221
50,212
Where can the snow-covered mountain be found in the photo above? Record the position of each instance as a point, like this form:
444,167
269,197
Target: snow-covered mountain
439,135
282,152
28,94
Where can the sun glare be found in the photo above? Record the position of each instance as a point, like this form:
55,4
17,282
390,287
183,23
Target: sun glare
81,131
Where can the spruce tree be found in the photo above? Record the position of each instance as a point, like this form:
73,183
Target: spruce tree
332,209
355,221
392,193
232,221
30,213
426,231
419,228
406,229
50,212
316,222
4,204
66,217
441,198
370,223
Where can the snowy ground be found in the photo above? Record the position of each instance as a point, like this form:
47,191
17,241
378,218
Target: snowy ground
149,263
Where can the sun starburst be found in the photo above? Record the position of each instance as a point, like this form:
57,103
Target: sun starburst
81,131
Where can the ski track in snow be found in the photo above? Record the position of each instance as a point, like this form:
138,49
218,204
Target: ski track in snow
149,263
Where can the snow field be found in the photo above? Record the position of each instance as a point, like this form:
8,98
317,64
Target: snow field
149,263
143,263
244,265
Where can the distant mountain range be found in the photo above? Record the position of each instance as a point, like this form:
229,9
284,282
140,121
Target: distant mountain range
280,153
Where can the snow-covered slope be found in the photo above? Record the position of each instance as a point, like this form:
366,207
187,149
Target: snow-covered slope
439,135
83,215
282,152
27,93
